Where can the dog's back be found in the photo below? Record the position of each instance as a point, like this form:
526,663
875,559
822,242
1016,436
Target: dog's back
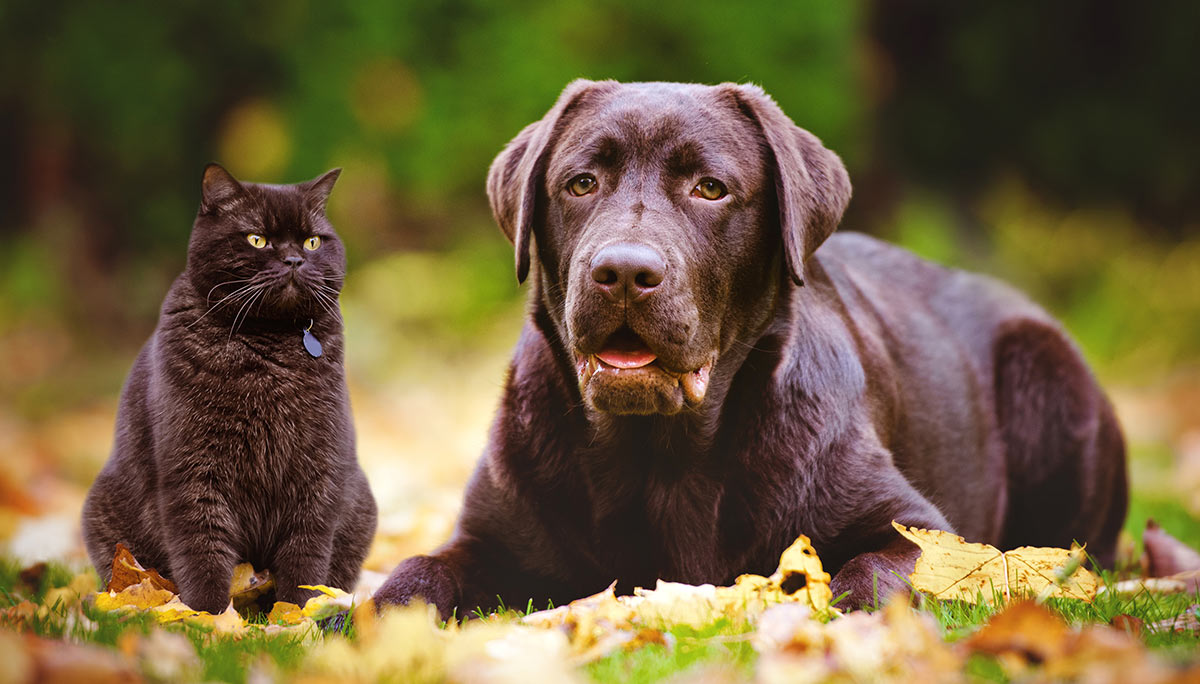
1011,387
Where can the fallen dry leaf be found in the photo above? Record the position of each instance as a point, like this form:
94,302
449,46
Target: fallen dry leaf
247,585
126,572
1183,582
952,568
1129,624
1187,621
1027,635
1025,630
143,596
330,602
31,577
18,615
162,655
285,613
407,646
599,624
896,644
60,661
1165,554
801,577
147,595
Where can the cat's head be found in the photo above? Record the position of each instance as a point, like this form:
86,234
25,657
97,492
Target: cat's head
266,251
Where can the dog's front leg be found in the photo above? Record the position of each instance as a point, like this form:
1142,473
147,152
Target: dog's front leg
870,578
436,580
884,560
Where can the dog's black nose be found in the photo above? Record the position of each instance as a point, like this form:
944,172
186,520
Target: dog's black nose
628,269
293,261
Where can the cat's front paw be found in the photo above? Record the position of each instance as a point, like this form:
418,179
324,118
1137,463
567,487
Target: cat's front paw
207,601
425,578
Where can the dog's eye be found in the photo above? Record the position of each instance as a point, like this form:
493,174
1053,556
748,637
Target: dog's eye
709,189
582,184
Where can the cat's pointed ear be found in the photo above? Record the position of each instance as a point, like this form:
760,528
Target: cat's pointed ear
219,189
318,189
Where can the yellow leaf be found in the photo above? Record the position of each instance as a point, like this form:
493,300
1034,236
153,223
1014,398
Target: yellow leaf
680,604
60,598
173,610
330,603
141,596
284,613
332,592
248,585
953,568
83,583
229,622
603,622
800,576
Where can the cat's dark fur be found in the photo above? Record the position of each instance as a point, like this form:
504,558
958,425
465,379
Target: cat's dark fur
233,443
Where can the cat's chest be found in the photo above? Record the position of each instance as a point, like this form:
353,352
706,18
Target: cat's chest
270,402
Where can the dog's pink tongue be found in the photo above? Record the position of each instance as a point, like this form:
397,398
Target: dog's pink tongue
627,359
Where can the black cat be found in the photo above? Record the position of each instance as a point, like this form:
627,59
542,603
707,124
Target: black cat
234,439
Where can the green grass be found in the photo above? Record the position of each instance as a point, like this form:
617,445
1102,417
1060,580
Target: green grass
723,644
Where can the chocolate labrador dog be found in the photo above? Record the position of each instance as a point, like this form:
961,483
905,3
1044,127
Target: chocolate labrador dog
705,374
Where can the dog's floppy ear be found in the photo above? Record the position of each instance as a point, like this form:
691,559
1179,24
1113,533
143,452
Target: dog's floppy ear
518,173
811,183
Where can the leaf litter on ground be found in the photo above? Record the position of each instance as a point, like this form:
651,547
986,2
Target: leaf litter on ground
785,619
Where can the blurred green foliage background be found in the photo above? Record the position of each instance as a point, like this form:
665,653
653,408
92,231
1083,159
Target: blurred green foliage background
1052,144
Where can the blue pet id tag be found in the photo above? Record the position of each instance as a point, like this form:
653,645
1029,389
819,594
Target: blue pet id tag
311,344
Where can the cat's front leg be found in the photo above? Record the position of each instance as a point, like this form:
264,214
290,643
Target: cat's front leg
303,557
201,552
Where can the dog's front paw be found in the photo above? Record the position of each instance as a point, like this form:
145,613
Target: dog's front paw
870,578
425,578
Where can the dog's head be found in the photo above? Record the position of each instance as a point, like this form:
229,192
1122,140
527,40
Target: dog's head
663,217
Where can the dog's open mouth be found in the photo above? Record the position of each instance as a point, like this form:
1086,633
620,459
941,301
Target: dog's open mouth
638,382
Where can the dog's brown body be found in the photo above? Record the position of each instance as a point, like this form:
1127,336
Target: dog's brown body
697,384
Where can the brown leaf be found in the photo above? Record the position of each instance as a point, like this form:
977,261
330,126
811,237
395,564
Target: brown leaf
1024,629
1129,624
62,662
366,619
1027,635
1165,554
126,572
17,616
31,577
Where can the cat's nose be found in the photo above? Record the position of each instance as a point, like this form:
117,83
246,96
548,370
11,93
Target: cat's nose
293,261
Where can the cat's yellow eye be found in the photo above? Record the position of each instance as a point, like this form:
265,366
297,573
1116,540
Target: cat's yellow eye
257,241
312,243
